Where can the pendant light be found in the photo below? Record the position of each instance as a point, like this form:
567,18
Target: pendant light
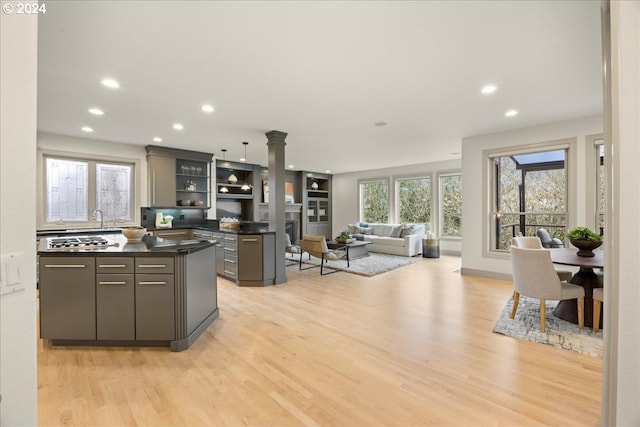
224,188
245,186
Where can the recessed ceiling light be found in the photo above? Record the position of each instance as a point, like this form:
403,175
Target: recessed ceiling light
157,139
87,129
511,113
290,166
178,126
380,124
488,89
327,171
242,159
208,108
96,111
110,83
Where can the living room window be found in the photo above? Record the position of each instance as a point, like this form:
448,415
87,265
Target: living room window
374,201
76,187
413,200
529,191
451,205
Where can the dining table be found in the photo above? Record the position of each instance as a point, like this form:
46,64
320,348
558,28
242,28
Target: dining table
585,277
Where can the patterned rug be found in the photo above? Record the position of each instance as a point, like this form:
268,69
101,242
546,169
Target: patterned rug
560,333
372,265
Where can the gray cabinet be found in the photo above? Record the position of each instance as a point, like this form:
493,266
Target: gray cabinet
162,180
219,253
154,299
67,298
316,198
115,299
231,256
250,252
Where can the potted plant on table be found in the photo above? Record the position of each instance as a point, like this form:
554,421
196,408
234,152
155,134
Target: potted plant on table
585,240
344,237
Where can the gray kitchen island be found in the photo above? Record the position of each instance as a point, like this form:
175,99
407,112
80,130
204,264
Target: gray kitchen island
151,293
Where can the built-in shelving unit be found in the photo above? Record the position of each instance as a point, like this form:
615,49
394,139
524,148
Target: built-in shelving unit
316,201
176,176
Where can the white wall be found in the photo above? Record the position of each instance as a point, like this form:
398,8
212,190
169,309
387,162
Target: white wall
621,373
345,194
474,189
18,77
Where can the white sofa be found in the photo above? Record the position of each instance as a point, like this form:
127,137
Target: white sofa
395,239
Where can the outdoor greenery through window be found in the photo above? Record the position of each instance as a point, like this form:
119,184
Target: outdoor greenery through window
374,201
76,187
451,205
414,200
529,192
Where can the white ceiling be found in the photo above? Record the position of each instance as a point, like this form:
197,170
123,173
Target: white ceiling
324,72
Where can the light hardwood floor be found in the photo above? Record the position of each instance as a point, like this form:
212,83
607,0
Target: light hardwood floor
411,347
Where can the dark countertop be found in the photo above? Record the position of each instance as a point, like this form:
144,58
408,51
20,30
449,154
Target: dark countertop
149,246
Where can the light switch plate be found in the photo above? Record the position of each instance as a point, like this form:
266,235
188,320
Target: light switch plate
11,270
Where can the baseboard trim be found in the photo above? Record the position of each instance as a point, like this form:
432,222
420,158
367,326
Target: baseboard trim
487,274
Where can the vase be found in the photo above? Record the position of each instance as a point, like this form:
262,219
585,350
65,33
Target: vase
232,179
586,247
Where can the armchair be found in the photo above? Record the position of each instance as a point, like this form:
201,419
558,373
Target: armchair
317,246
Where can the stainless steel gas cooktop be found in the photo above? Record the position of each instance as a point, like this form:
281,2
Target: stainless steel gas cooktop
80,242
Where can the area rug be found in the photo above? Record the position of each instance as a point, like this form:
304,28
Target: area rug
560,333
372,265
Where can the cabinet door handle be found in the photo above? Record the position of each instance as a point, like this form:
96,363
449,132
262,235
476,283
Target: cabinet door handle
112,265
249,240
229,249
231,273
230,261
112,283
231,239
152,265
65,266
152,283
169,233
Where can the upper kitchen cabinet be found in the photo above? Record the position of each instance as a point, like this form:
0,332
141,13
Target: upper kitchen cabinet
178,177
235,180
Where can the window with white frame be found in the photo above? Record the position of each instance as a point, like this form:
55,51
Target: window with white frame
529,191
413,199
451,205
374,201
75,188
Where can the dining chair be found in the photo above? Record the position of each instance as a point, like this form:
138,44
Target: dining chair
533,242
317,246
547,241
598,299
535,277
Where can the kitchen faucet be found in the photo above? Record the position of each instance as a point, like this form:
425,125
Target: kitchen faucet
95,211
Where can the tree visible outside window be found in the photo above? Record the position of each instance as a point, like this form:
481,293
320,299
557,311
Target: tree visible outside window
74,188
451,205
414,200
374,201
529,193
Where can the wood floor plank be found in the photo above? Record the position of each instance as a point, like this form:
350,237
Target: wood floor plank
411,347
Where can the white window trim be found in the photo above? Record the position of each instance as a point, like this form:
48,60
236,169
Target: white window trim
570,144
396,192
41,216
591,179
391,201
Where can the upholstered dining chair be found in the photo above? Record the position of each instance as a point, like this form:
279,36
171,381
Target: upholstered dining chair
535,277
533,242
317,246
598,299
290,248
547,241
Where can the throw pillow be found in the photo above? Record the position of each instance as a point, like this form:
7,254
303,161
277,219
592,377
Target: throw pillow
352,228
367,230
396,230
408,229
364,224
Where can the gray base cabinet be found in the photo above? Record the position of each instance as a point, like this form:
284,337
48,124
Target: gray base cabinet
67,298
154,307
115,309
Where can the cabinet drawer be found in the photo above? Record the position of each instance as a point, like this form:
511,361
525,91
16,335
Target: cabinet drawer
153,265
230,269
110,265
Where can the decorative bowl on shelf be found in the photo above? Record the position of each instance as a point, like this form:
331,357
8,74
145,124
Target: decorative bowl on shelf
184,202
197,203
134,234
